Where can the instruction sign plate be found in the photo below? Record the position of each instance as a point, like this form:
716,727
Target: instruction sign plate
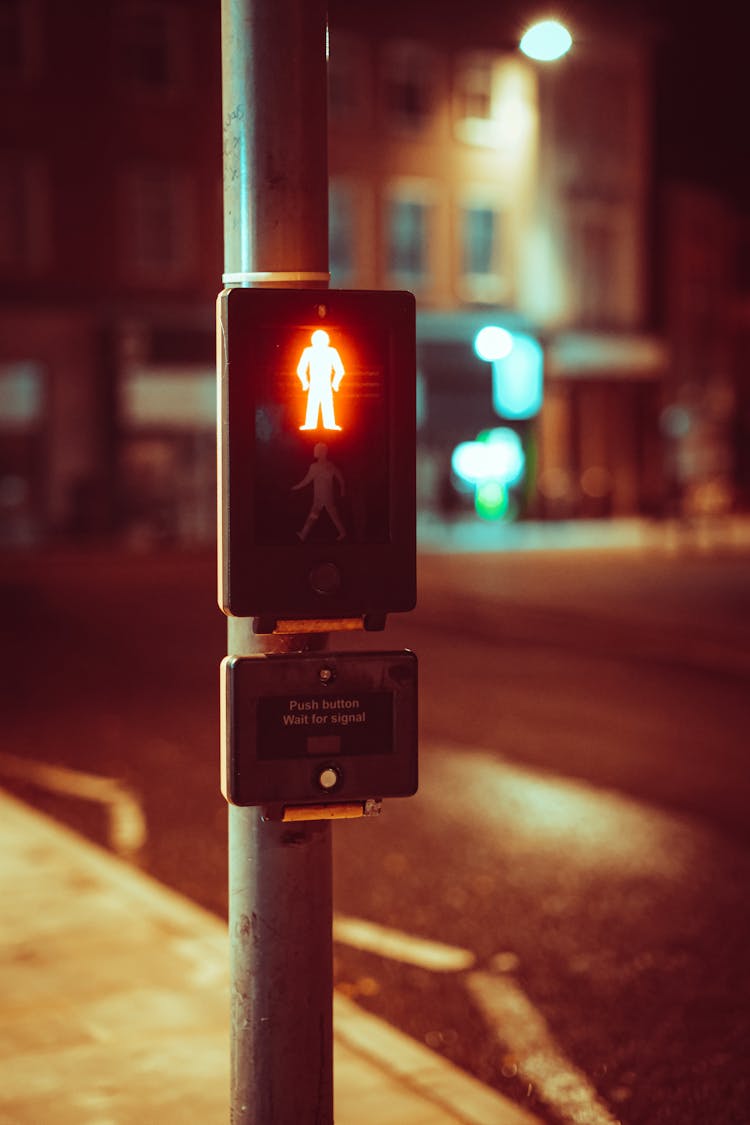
311,725
311,728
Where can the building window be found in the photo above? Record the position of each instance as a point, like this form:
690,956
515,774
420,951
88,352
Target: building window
481,252
150,46
18,23
346,80
596,131
12,38
409,77
742,259
24,227
407,232
341,232
158,237
473,88
601,287
495,103
479,237
22,462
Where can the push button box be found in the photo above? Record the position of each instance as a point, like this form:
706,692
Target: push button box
306,728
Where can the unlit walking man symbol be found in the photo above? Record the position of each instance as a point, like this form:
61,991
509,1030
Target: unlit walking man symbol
322,474
320,371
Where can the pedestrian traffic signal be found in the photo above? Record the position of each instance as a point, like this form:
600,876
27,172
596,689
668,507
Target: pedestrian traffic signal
317,432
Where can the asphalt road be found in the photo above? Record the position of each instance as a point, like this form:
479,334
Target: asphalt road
579,845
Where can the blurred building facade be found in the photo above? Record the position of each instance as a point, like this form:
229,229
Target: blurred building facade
110,251
508,192
706,418
740,363
499,190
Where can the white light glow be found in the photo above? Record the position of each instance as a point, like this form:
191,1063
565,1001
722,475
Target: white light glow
546,41
499,458
493,343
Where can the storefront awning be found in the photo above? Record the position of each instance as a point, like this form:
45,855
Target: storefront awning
590,355
567,355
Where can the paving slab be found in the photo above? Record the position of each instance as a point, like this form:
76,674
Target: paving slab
115,1005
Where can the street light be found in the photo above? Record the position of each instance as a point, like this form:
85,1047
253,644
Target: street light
546,41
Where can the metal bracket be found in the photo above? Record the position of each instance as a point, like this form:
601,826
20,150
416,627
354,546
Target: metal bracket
370,623
373,806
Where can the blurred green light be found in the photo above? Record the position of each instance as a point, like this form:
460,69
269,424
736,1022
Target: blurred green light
491,500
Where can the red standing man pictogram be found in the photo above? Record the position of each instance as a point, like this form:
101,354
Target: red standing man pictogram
320,371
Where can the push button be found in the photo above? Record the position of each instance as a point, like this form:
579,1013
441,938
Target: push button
325,578
328,778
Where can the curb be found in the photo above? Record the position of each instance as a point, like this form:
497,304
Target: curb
423,1077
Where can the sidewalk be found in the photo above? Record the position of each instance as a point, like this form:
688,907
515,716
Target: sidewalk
700,534
115,1005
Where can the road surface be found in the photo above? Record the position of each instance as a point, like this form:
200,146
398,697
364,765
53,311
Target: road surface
562,909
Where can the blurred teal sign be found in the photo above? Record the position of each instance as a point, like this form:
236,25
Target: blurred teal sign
517,371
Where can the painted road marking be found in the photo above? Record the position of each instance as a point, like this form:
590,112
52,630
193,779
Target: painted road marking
510,1015
126,824
398,946
450,1090
524,1033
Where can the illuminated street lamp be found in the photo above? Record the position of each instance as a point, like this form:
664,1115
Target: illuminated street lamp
546,41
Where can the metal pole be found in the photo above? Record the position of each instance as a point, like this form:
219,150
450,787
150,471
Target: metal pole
275,138
280,895
281,971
